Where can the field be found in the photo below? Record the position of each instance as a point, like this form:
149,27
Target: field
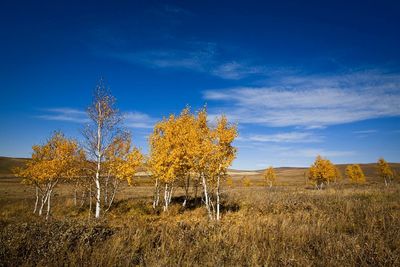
291,224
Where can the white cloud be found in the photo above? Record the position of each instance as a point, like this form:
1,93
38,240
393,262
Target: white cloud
196,56
365,132
64,114
132,119
289,137
235,71
314,101
139,120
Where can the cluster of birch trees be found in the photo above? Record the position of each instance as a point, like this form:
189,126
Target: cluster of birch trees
185,150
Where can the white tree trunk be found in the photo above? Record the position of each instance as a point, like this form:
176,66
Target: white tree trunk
90,201
98,192
37,199
156,194
113,194
99,156
44,199
206,197
218,202
166,197
48,203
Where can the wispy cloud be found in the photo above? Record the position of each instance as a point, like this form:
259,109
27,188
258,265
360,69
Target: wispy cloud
180,59
235,71
139,120
365,132
313,101
201,57
132,119
289,137
64,114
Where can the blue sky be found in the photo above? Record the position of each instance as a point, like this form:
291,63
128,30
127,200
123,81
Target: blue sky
300,79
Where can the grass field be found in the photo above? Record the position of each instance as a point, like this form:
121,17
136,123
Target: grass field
289,225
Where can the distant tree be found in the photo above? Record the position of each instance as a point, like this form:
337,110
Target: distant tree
101,133
338,175
321,172
246,182
355,174
229,181
56,161
385,172
269,176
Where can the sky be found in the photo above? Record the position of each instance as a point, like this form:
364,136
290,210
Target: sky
300,78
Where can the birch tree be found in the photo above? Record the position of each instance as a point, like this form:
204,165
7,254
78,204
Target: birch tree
385,172
57,160
321,172
355,174
269,176
100,133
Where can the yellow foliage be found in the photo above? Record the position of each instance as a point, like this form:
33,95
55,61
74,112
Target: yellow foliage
229,182
59,158
385,172
269,176
123,160
246,181
185,144
355,174
321,171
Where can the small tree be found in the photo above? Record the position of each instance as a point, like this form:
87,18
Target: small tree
321,172
229,182
57,160
269,176
246,182
385,172
338,175
355,174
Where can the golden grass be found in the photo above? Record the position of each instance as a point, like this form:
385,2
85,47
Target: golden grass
286,226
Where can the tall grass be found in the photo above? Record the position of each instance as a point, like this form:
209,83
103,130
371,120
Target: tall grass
283,226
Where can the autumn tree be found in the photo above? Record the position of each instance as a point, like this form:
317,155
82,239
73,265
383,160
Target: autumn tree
338,175
246,182
59,159
385,172
101,133
185,148
321,172
222,156
355,174
122,160
269,176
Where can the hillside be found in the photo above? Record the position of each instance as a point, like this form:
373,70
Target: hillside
7,164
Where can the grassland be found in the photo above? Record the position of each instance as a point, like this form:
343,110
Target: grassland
289,225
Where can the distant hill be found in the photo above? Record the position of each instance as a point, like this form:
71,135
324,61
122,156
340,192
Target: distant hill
7,164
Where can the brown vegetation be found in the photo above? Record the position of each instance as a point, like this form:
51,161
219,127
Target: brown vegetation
344,225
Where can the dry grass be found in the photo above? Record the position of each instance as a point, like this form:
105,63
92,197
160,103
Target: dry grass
288,225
